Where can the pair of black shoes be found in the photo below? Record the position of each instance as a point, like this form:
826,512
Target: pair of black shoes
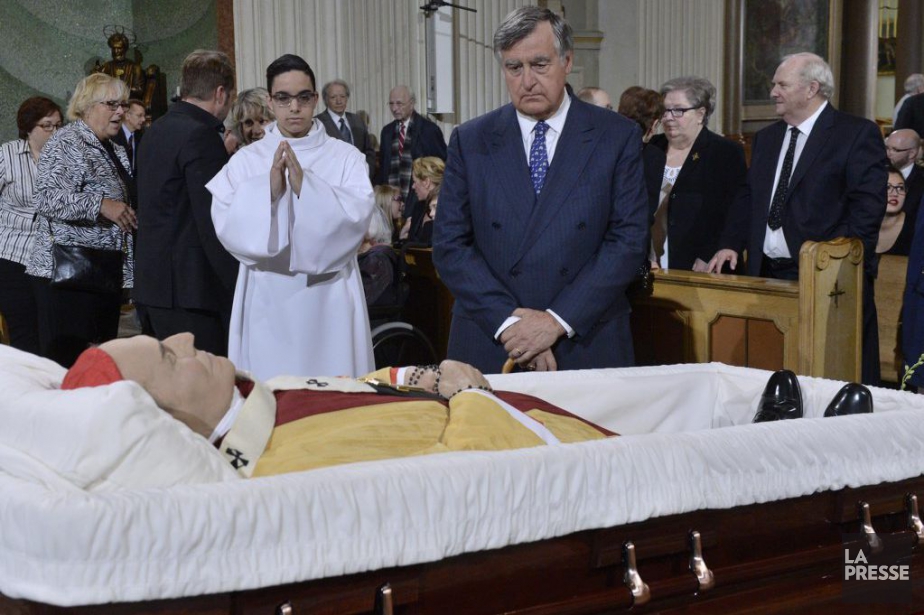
782,399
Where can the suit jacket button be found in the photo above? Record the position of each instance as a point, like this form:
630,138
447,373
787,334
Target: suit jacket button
581,226
496,225
515,273
564,271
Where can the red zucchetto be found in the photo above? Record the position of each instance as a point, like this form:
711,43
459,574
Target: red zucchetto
93,368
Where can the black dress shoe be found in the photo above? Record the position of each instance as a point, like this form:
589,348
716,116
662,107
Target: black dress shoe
853,398
782,398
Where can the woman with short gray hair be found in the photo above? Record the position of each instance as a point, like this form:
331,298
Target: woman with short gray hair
698,182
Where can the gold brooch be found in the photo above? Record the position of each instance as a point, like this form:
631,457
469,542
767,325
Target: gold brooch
695,156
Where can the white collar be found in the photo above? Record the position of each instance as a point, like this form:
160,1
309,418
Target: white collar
336,116
806,126
556,122
224,425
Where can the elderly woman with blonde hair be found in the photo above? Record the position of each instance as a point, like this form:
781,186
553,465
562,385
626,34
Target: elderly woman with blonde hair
427,173
83,206
249,114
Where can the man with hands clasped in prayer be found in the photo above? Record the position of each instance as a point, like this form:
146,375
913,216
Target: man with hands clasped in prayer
299,306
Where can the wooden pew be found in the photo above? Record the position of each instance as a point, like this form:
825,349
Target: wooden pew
812,326
889,290
429,304
738,320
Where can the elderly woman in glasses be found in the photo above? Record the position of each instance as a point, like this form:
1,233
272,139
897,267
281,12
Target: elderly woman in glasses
82,199
37,119
699,179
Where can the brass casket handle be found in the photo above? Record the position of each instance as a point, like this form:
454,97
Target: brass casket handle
639,589
698,565
384,604
914,518
866,524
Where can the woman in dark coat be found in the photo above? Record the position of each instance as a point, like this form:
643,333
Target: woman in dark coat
697,185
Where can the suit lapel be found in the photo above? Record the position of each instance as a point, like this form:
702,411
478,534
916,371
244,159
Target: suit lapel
819,136
575,146
328,122
508,160
764,171
357,128
697,153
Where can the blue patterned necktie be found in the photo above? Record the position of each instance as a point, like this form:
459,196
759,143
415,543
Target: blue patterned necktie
345,132
538,157
775,218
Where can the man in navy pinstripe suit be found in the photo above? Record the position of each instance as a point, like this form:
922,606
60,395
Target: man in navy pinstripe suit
542,219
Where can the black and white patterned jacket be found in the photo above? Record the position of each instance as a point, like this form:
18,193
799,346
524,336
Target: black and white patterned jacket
74,175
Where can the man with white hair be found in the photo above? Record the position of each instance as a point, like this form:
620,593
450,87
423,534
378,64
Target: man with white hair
815,175
914,85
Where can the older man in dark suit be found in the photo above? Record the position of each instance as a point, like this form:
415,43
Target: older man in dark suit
341,124
815,175
542,218
409,137
184,278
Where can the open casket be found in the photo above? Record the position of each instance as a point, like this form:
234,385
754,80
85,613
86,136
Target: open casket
582,528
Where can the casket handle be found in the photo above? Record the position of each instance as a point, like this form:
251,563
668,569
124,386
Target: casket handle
384,604
639,589
698,565
285,608
866,522
914,518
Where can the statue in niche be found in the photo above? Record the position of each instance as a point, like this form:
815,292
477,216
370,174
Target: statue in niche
145,85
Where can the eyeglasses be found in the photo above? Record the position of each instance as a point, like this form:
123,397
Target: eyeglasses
899,189
49,127
897,150
677,112
301,99
115,104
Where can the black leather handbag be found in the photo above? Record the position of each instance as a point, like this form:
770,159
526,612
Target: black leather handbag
86,269
92,270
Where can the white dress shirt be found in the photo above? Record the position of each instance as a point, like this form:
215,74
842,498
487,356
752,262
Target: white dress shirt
774,240
556,124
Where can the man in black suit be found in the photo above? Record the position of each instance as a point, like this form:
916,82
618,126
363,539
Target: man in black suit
903,148
341,124
911,114
130,135
409,137
815,175
184,278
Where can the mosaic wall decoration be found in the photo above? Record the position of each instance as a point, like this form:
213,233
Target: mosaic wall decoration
49,45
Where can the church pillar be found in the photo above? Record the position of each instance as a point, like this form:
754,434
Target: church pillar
859,58
909,51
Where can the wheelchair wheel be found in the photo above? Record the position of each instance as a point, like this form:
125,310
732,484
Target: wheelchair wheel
399,343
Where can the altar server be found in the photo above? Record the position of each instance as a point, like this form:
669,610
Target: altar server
293,208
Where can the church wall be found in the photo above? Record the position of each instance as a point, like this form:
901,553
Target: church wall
374,45
49,45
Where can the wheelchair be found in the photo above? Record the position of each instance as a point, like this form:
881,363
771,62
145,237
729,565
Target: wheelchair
395,342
